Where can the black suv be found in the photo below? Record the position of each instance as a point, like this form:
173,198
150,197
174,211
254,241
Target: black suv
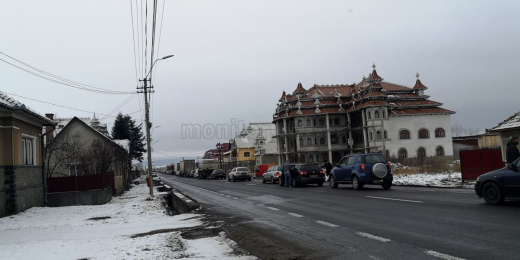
361,169
304,173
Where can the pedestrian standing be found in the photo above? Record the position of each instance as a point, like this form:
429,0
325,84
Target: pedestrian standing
328,167
512,152
287,173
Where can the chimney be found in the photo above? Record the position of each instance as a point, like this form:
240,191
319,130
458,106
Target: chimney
49,129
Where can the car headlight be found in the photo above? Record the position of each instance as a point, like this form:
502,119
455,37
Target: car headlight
478,178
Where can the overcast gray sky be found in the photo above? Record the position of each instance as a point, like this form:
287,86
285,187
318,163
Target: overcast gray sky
234,58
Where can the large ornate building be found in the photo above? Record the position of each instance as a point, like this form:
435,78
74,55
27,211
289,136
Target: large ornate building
330,121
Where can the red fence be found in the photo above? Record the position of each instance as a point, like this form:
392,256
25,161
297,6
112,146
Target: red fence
80,183
474,163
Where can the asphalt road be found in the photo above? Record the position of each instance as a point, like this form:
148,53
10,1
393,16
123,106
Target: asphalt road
401,223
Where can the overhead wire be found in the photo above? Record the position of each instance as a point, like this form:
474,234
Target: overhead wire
120,106
160,33
133,40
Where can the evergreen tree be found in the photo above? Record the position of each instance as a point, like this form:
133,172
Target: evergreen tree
126,128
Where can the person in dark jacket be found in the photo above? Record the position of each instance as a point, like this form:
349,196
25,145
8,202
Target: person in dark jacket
287,173
512,152
328,166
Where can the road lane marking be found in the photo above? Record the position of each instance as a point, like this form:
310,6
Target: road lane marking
221,194
326,223
295,215
251,184
443,256
382,239
228,196
382,198
271,208
235,198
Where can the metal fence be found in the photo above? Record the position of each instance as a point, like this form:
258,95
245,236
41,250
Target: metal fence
474,163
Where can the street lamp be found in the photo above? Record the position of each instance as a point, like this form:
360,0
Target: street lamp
153,128
219,147
147,118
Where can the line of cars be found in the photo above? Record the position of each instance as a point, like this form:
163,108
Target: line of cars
203,174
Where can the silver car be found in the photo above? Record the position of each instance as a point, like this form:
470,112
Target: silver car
272,174
239,173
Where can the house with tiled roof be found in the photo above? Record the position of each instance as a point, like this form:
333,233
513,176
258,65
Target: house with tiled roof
326,122
21,157
253,145
507,129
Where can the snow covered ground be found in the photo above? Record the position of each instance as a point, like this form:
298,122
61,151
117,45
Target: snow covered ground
108,232
447,180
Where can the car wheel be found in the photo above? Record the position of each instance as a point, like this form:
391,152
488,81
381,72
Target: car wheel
272,179
136,183
320,184
228,179
387,185
492,194
332,182
356,184
249,179
234,179
263,180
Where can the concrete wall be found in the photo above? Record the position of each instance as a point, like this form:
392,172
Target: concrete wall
22,188
118,184
93,197
457,147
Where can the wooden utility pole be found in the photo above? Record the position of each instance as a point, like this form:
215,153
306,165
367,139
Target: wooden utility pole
148,124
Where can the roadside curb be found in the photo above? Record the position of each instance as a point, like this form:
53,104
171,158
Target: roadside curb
180,202
437,187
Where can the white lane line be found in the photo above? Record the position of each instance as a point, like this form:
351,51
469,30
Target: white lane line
382,239
271,208
228,196
443,256
326,223
235,198
221,194
295,215
381,198
251,184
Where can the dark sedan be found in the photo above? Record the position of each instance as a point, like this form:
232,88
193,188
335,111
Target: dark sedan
498,185
218,174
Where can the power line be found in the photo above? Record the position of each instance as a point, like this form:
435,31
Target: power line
77,109
146,40
133,40
63,81
160,33
120,106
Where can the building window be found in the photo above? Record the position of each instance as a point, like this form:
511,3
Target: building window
322,140
336,121
439,151
322,122
309,141
402,153
299,123
370,136
378,135
384,114
404,134
314,121
369,115
386,135
301,141
387,153
344,139
334,139
29,150
308,122
421,152
376,114
424,134
439,132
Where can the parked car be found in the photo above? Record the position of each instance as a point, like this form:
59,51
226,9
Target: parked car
500,184
218,174
178,173
191,174
362,169
239,173
261,169
304,173
140,180
272,174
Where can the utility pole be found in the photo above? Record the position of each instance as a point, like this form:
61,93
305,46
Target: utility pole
147,121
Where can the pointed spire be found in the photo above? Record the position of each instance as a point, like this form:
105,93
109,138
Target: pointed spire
373,77
299,89
283,97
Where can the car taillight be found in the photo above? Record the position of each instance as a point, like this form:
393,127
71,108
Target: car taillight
362,166
322,172
277,174
390,164
303,173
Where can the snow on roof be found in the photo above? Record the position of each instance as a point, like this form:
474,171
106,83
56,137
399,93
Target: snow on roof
512,122
125,143
13,104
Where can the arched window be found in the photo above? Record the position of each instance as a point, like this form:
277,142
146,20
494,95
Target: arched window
344,139
378,135
386,135
309,141
376,114
402,153
308,122
424,134
336,121
311,158
370,136
247,154
384,114
387,153
299,123
369,115
421,152
314,121
404,134
439,151
322,122
439,132
334,139
301,141
322,140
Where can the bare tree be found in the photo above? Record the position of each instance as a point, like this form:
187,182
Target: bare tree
97,159
62,152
